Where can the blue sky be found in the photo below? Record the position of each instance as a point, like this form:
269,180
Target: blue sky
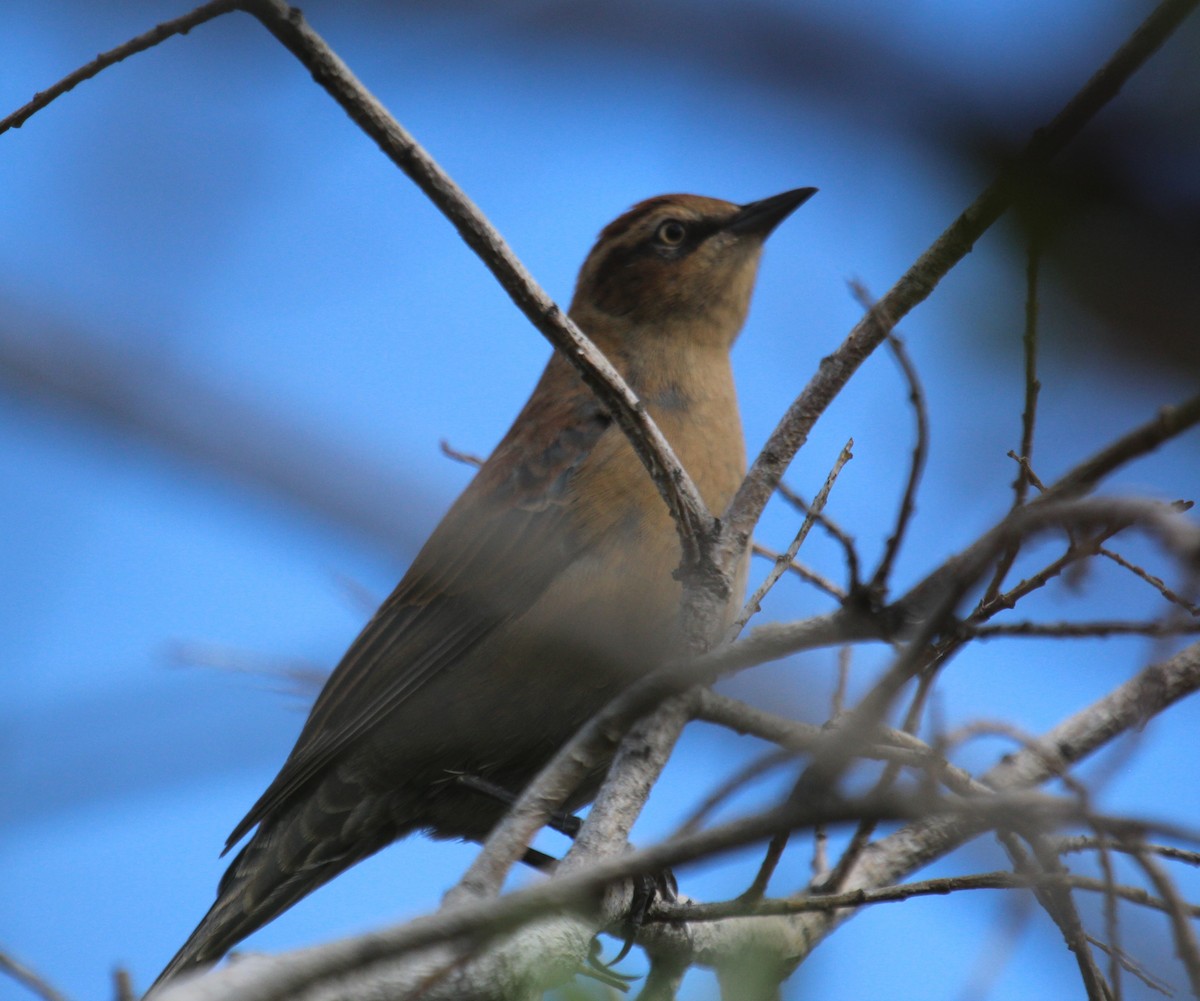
205,221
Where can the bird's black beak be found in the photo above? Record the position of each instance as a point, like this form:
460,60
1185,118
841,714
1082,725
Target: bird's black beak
759,218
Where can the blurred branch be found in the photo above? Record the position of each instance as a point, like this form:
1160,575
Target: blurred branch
466,458
1025,473
1170,422
1125,708
145,398
1032,385
29,978
1186,946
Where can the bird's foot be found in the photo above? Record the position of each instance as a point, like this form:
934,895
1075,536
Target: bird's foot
647,888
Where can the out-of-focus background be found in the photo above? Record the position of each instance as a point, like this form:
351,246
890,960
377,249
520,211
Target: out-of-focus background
232,336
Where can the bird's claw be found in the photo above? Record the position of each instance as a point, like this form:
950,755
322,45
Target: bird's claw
646,889
599,970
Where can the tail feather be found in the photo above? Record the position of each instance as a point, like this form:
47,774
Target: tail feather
287,858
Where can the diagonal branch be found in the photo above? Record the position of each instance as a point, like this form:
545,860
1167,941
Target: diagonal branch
159,33
920,280
695,525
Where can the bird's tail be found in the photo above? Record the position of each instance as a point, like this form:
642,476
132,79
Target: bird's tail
285,860
227,922
255,889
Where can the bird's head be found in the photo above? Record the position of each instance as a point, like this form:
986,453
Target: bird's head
678,265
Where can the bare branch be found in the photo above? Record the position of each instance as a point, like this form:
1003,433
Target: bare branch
1032,385
920,453
178,26
737,781
260,979
916,396
1025,473
1168,423
919,281
754,603
1112,627
1186,946
1154,582
801,571
836,532
596,741
818,903
1057,902
1127,963
1087,843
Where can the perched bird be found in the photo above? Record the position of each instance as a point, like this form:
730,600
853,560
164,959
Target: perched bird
544,591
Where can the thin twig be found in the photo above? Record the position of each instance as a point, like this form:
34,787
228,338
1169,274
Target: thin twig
1088,843
696,527
766,869
860,840
1151,692
808,903
1155,582
1112,925
1026,467
1077,550
1168,423
838,698
1058,903
892,745
920,452
1032,386
467,458
831,527
1025,473
178,26
1128,964
820,861
1113,627
805,573
754,604
1179,911
737,781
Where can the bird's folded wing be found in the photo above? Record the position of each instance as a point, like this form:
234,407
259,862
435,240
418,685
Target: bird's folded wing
501,545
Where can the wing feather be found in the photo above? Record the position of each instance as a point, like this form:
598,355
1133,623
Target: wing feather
501,545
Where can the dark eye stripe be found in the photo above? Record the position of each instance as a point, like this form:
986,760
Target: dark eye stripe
613,275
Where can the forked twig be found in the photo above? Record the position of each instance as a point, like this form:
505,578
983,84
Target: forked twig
782,564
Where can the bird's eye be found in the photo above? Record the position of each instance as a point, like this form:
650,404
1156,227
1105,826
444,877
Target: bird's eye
671,233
